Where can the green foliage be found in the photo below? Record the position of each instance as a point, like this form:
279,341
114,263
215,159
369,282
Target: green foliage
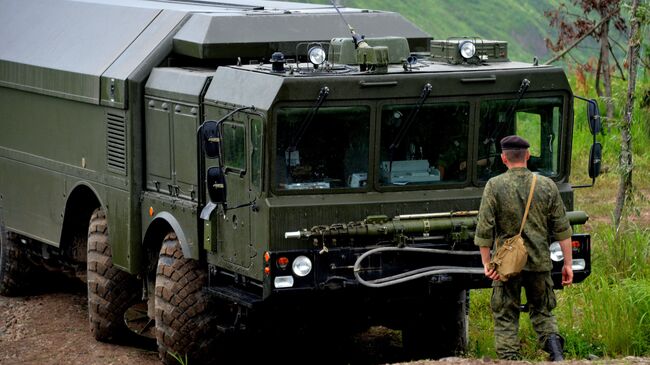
481,338
607,318
181,360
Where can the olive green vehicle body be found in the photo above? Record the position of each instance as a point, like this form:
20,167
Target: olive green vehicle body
109,119
73,105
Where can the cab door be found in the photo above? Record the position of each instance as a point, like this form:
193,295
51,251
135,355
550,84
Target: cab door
234,240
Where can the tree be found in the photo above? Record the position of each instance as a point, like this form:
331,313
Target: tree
574,28
626,163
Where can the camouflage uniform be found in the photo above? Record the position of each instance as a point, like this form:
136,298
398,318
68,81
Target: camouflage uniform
502,208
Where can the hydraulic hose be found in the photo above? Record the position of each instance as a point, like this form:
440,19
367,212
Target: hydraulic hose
414,274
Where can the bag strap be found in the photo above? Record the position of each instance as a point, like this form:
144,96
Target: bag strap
530,199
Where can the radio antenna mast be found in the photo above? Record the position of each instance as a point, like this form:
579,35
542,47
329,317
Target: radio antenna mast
342,17
358,39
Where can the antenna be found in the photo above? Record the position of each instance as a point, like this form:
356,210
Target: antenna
342,17
358,39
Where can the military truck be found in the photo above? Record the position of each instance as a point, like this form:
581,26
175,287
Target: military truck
217,166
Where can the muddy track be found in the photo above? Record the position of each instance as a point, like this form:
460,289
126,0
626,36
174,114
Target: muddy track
52,328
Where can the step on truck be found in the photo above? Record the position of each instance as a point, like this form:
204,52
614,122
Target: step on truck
212,169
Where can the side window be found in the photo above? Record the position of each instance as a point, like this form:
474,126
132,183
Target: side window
234,146
529,126
256,153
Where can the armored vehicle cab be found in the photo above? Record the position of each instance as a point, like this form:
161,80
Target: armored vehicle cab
223,166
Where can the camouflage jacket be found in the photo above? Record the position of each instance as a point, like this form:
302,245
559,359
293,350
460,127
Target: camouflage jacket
502,208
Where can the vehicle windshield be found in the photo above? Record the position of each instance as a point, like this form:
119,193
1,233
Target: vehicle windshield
332,152
433,149
538,120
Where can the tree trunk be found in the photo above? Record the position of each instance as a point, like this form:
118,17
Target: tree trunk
605,69
626,165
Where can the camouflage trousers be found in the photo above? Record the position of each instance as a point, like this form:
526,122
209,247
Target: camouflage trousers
506,302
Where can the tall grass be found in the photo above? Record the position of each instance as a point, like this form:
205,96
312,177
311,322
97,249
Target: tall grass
608,315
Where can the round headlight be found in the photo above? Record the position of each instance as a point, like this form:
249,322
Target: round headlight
556,252
301,266
317,55
467,49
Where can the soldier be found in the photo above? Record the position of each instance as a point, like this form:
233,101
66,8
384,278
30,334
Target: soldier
502,209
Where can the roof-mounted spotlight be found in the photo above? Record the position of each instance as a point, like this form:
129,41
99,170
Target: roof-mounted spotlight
467,49
317,56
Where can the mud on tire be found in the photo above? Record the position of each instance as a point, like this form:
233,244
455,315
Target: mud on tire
16,270
111,291
185,324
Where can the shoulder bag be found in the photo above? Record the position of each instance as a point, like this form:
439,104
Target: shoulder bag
510,257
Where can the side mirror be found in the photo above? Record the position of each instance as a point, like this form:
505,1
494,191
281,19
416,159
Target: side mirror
216,185
211,138
595,159
593,117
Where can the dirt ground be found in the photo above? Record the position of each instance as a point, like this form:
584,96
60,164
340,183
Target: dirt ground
52,328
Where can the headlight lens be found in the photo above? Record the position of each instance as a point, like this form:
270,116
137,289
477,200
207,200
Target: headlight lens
317,55
301,266
556,252
467,49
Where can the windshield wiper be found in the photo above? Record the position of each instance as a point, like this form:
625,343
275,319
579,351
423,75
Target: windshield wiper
426,90
401,133
525,84
306,122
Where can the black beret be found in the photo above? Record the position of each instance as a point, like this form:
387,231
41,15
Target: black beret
514,143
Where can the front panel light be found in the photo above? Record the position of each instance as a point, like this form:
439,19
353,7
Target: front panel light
283,282
467,49
283,262
317,55
301,266
556,252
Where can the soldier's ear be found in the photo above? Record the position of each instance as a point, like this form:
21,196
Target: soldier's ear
527,155
504,159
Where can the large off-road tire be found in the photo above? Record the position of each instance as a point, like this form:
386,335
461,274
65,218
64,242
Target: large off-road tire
439,328
111,291
16,270
185,323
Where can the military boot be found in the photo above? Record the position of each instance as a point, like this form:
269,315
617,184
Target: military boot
554,345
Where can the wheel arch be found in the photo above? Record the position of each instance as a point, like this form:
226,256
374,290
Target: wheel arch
162,223
82,200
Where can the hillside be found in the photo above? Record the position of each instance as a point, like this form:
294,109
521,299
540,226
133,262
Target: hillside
521,23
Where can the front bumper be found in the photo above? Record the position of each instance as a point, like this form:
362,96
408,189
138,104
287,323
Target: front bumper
332,269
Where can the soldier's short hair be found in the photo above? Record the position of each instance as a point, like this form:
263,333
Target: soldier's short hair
515,156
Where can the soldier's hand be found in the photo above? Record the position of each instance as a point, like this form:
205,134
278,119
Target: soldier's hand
491,273
567,274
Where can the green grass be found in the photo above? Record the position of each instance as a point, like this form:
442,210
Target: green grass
608,315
